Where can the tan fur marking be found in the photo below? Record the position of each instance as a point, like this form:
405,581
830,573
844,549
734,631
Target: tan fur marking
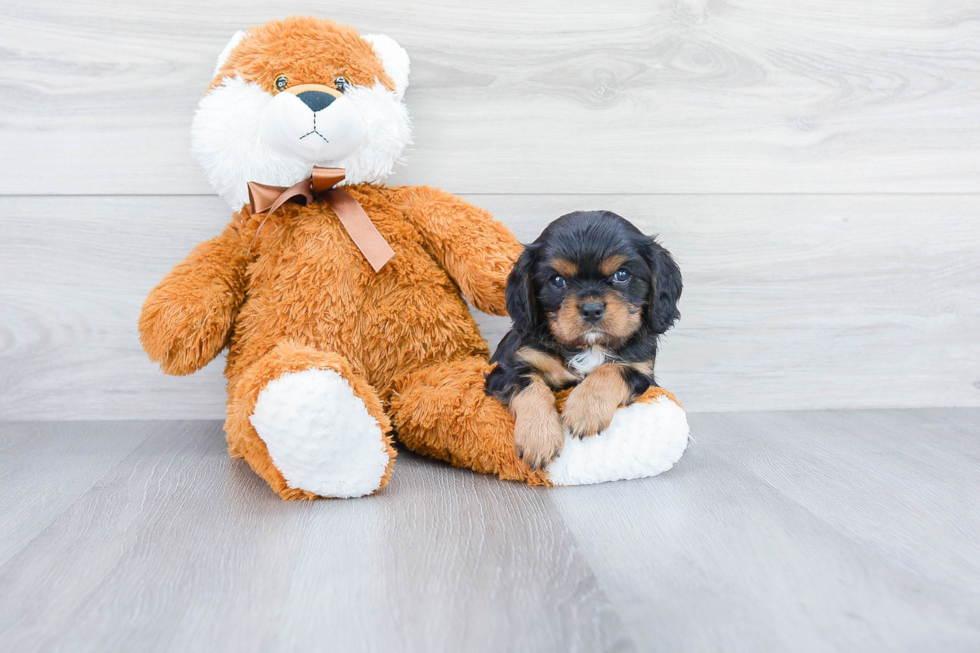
538,436
302,88
564,267
566,324
552,370
621,321
644,367
612,263
591,405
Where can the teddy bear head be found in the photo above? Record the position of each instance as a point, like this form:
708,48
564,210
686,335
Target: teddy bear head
297,93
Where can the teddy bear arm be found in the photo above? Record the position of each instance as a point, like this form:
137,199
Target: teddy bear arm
187,319
477,251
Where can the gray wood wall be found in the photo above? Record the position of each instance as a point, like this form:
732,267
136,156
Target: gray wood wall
814,167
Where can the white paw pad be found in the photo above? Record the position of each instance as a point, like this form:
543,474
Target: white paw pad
643,440
320,435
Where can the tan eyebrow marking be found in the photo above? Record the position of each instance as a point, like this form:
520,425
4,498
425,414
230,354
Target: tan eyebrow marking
564,267
612,263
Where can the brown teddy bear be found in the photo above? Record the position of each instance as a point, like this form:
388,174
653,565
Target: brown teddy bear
340,299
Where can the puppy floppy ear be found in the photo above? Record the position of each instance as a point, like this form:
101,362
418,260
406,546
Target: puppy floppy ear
521,304
665,288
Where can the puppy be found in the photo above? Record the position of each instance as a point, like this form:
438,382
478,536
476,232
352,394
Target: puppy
588,298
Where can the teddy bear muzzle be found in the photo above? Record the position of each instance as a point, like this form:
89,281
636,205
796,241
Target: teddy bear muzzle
312,123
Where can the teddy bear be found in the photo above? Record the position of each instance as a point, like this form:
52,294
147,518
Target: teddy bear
340,299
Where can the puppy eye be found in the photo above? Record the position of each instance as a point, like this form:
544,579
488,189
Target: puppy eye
282,82
621,276
558,281
341,83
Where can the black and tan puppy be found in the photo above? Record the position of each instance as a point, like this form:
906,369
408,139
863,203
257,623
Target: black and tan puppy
589,299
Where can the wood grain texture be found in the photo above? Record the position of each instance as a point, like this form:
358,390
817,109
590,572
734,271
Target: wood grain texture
854,301
559,96
43,473
803,531
816,531
183,549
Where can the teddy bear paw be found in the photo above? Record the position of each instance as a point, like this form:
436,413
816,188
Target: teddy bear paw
644,439
320,435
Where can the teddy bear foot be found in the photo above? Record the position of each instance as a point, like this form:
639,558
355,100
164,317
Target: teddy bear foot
320,435
644,439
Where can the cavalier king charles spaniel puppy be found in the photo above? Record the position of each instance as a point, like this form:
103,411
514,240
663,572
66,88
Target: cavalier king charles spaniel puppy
588,298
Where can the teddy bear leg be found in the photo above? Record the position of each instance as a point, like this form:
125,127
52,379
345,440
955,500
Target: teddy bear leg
310,425
443,411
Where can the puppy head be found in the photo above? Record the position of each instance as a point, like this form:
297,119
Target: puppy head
297,93
594,279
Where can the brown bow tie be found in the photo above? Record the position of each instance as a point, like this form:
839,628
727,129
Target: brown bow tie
266,199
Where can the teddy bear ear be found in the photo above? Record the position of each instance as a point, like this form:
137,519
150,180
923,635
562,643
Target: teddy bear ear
232,44
393,57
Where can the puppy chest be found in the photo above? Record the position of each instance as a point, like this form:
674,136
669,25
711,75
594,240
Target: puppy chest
587,360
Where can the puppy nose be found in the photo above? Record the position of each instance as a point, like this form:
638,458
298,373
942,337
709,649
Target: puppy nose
316,100
592,311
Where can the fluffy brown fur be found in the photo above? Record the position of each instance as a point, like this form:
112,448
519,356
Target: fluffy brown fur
304,48
299,295
302,296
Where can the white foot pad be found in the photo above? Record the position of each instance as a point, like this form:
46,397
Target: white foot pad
643,440
320,434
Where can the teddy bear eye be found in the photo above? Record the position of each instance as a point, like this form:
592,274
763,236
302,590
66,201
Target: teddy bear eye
621,275
341,83
558,281
281,82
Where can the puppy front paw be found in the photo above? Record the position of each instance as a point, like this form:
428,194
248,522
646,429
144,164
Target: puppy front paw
538,439
587,413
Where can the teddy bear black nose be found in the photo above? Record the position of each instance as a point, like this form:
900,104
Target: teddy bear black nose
316,100
592,311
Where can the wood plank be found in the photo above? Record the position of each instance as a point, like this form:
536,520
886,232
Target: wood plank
807,531
790,301
811,531
183,549
858,469
781,96
46,467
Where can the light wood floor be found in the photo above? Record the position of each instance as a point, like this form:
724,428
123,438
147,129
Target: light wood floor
829,530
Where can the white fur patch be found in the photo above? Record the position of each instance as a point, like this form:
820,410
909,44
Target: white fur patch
643,440
389,133
230,142
225,141
232,44
320,434
393,58
587,360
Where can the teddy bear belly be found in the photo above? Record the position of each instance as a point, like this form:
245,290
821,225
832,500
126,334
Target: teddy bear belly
388,323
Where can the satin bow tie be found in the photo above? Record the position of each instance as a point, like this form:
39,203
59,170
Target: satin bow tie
266,199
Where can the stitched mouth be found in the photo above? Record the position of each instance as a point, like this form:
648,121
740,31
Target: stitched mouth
314,131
